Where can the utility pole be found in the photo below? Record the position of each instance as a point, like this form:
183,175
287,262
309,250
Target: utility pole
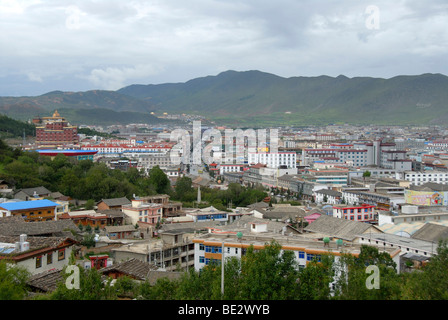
222,269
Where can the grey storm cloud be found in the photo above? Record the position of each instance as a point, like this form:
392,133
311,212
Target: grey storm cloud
108,44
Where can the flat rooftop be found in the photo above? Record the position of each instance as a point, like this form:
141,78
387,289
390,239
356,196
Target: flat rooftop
24,205
426,246
291,242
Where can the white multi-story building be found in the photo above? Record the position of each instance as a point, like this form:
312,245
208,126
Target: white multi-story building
224,168
128,149
150,160
327,196
36,254
350,197
375,172
221,244
289,144
396,160
274,160
421,177
333,178
367,153
354,157
440,144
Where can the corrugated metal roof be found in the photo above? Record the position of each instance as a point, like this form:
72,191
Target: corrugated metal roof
407,227
23,205
339,228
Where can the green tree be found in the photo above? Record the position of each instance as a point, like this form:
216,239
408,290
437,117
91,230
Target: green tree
354,276
202,285
163,289
431,283
23,173
184,189
88,239
68,183
125,286
89,204
269,273
134,175
159,180
12,281
315,279
91,287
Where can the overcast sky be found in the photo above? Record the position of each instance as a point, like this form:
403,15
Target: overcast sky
108,44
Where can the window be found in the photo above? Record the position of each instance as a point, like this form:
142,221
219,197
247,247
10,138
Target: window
201,247
38,261
50,258
301,255
310,257
213,249
214,261
201,259
217,250
61,254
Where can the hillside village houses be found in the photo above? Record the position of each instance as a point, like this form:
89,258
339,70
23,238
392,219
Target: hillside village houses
345,187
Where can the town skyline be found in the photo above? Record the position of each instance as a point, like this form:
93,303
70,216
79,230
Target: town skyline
211,150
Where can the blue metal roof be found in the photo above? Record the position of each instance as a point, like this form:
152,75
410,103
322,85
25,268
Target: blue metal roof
23,205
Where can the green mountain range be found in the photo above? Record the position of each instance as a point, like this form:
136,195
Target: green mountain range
254,98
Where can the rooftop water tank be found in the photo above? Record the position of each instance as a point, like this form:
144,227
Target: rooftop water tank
24,246
339,242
